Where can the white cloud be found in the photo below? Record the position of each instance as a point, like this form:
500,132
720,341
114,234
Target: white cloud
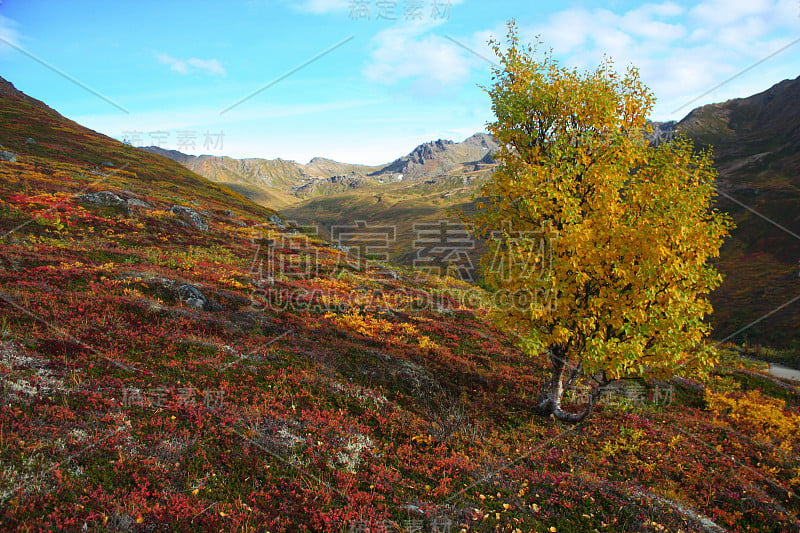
724,12
680,53
185,66
410,51
8,32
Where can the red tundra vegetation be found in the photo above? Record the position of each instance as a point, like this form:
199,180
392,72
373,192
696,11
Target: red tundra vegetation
154,378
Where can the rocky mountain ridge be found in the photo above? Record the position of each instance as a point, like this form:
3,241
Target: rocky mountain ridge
427,161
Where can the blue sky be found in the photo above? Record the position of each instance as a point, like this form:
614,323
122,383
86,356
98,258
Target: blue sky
395,73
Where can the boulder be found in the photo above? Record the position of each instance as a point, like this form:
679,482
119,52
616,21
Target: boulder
112,199
278,221
5,155
170,290
104,199
191,296
339,247
135,202
190,216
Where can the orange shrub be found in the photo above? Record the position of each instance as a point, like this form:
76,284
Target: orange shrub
764,417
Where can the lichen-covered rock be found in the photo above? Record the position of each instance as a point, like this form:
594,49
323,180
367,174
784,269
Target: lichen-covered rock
171,290
190,216
339,247
191,296
135,202
104,199
112,199
278,221
5,155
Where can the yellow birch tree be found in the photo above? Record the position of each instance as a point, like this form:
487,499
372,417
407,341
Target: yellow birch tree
603,239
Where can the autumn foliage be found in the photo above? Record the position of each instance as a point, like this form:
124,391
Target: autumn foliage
608,236
333,402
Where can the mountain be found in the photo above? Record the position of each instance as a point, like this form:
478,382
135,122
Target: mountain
757,136
414,190
280,183
756,147
35,133
273,182
173,357
433,159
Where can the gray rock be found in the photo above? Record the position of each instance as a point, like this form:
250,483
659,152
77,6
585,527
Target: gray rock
5,155
135,202
104,199
411,508
191,296
339,247
186,293
30,141
107,164
388,272
111,199
190,216
227,213
278,221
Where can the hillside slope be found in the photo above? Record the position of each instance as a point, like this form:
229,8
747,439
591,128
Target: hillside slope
756,146
174,358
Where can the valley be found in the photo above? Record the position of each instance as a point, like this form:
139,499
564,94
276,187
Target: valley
756,142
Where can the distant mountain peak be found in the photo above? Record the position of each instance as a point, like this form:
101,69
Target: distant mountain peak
434,158
321,160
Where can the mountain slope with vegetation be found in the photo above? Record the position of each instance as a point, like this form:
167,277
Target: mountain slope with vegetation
756,147
173,357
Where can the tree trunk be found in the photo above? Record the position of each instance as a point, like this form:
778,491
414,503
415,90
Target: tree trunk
549,403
